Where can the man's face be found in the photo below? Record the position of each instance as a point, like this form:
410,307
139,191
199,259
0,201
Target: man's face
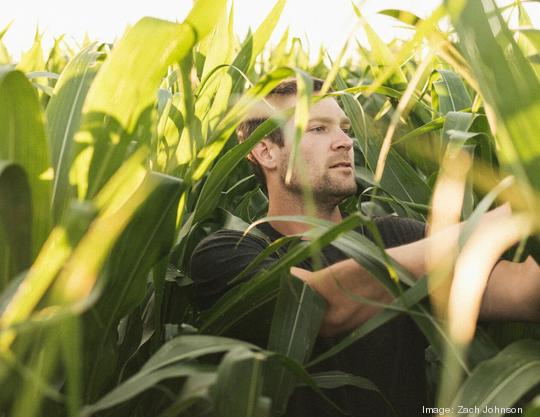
326,156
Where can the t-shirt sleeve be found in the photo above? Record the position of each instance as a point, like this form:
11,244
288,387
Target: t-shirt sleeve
396,231
219,258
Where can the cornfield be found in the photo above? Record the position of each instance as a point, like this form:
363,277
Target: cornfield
116,160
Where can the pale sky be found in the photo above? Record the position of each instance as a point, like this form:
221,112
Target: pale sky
326,22
321,22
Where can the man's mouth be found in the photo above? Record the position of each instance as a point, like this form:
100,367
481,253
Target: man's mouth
342,165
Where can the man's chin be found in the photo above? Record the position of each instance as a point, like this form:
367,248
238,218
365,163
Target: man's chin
336,194
327,191
345,190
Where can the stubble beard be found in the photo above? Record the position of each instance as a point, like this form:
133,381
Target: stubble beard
328,190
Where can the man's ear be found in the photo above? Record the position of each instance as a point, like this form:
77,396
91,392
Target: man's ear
265,153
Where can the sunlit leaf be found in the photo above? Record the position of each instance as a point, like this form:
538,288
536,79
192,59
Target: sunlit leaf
69,95
23,142
126,86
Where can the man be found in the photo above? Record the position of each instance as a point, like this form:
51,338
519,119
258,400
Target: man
392,356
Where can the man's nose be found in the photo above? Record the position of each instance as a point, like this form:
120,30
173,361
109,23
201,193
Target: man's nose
342,141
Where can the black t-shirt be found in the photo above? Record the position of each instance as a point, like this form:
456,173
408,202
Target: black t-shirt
392,356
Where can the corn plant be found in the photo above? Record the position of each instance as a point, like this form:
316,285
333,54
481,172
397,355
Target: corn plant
116,160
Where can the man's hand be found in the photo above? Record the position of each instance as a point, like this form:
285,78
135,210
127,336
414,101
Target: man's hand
342,313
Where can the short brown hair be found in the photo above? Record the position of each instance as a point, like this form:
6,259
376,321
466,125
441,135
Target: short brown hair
285,88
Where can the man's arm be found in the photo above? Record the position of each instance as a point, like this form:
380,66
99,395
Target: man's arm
512,292
343,313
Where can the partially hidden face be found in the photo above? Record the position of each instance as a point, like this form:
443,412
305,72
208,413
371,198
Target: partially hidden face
326,157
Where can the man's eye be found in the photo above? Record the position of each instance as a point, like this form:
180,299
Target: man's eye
319,129
347,130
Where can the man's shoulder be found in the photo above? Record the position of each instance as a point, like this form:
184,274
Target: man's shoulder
220,257
227,252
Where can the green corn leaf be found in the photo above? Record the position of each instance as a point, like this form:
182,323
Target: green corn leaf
57,59
299,373
231,82
71,346
190,347
69,247
243,398
195,392
399,179
336,379
124,243
133,257
254,44
119,103
499,382
220,52
297,319
33,60
146,240
448,92
435,124
213,186
402,15
381,54
278,56
356,114
456,127
402,181
9,291
28,400
169,129
64,118
39,279
295,326
5,57
137,384
507,82
533,36
118,189
16,219
230,121
140,57
22,141
264,31
523,17
524,22
191,137
533,409
42,74
175,356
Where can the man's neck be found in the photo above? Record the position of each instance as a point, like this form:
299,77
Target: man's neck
290,206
